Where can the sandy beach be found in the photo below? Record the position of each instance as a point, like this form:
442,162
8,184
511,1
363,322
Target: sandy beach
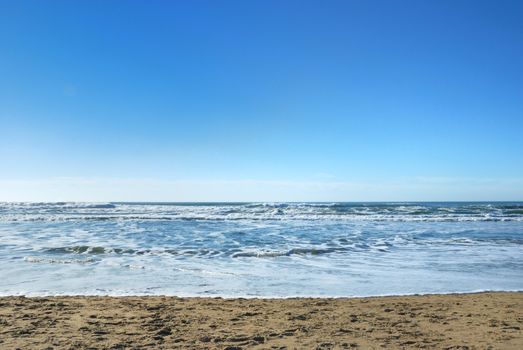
457,321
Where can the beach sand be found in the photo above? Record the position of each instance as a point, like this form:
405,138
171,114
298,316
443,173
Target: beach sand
457,321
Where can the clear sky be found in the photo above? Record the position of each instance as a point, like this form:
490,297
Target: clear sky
261,100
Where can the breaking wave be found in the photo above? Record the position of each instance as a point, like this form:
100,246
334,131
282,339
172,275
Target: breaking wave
417,212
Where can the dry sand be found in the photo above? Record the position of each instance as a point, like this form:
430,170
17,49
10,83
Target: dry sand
463,321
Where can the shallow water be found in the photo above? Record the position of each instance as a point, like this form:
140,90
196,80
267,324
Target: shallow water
260,249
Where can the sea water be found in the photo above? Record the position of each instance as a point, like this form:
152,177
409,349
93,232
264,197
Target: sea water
259,249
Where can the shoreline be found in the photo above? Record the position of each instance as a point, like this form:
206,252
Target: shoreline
454,321
253,297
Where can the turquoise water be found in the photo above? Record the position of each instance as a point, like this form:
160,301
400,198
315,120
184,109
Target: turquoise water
259,249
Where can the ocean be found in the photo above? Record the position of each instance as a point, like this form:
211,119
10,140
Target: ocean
259,249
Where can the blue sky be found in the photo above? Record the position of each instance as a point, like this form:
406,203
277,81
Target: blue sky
261,100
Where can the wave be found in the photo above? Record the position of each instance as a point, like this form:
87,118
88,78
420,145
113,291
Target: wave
35,259
336,245
277,216
98,250
202,252
290,252
429,212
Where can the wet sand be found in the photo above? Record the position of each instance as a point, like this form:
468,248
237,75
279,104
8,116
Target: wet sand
457,321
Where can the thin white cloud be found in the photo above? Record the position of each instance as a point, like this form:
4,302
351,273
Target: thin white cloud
131,189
